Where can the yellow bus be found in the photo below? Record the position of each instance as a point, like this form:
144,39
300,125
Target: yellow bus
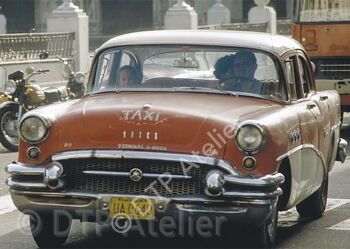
323,28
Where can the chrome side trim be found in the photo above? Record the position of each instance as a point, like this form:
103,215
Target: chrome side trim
183,158
305,146
336,126
300,147
24,185
127,174
15,168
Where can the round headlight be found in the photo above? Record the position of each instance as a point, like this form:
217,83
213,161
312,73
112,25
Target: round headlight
250,137
33,129
10,86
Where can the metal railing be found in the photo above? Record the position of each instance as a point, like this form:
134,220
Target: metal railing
28,46
259,27
283,27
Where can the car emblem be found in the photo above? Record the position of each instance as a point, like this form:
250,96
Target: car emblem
135,174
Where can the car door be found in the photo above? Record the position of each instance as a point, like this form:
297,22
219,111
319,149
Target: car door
322,100
306,161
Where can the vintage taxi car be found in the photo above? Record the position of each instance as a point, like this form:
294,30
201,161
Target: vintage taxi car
177,140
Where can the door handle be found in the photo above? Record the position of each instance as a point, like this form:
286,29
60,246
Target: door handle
323,98
310,106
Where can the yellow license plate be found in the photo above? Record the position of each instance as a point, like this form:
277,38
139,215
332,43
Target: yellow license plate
132,208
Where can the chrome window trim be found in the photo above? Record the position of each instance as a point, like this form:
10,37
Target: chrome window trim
117,154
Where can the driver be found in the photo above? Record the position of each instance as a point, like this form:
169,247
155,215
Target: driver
242,73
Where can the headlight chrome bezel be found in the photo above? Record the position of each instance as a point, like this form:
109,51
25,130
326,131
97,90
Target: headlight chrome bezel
46,122
10,87
259,128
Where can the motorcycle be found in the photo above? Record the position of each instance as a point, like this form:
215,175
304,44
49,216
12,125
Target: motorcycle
21,95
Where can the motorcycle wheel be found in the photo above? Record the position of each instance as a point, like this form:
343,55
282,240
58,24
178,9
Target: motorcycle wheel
8,129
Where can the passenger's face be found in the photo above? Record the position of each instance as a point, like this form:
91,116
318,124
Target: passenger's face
243,67
125,79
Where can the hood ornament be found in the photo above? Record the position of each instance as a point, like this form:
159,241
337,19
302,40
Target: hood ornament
147,106
135,175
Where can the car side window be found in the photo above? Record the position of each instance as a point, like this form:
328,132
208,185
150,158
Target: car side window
304,76
105,68
291,78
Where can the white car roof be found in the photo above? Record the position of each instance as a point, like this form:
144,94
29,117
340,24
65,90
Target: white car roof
245,39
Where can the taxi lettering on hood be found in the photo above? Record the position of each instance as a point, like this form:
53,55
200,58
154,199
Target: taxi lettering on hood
133,115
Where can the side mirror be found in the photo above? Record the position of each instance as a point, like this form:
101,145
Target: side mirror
29,70
77,86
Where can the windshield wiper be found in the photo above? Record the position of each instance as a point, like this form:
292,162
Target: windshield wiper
204,89
196,89
106,91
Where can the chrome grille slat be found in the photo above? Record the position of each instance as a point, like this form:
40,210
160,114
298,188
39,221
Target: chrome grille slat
124,185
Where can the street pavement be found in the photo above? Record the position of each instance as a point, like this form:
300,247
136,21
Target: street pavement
330,231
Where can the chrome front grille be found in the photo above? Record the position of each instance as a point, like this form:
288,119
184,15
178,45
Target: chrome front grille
122,184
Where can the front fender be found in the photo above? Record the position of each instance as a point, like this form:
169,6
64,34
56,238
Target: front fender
10,104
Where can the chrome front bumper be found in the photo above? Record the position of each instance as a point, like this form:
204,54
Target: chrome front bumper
243,198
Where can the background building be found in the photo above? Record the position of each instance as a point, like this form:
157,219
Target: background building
111,17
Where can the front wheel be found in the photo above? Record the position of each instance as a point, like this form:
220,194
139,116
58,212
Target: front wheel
9,128
48,231
315,205
265,236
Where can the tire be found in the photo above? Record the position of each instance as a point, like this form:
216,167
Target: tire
43,230
8,129
315,205
265,236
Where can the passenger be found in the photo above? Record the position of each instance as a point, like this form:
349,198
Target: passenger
241,75
127,77
223,68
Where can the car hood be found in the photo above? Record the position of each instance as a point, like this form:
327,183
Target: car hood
177,122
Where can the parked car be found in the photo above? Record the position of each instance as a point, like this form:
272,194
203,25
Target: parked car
194,137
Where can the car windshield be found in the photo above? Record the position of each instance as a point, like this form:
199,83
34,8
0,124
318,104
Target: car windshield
188,68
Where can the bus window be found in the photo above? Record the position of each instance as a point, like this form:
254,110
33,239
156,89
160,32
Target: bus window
323,10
